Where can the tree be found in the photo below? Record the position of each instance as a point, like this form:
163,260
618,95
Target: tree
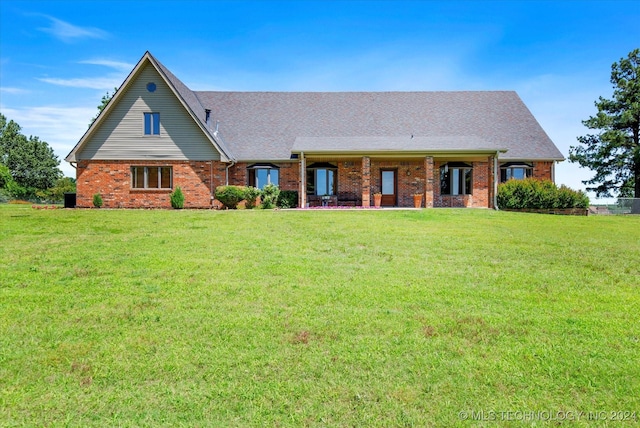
103,103
56,193
614,153
31,162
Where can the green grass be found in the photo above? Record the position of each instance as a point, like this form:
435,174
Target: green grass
307,318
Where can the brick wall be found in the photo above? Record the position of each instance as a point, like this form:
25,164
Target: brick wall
480,197
112,179
410,176
542,170
289,175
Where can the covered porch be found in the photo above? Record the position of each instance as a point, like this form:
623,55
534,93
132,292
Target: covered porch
445,180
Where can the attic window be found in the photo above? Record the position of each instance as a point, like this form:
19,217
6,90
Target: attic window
152,124
151,87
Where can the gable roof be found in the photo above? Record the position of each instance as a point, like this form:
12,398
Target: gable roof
184,95
272,125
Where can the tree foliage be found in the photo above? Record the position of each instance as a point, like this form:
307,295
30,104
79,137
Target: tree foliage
31,163
614,152
103,103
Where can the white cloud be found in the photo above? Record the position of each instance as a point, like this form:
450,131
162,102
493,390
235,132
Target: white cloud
101,83
67,32
14,91
118,65
60,127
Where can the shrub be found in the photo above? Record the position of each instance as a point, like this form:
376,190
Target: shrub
177,198
287,199
230,196
250,196
270,194
97,200
539,194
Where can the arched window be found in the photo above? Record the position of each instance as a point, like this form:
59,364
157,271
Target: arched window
456,178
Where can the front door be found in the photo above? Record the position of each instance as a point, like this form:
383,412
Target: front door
389,186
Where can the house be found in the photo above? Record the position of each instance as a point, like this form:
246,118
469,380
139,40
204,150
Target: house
336,148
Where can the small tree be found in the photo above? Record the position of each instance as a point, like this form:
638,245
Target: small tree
250,196
177,198
230,196
270,194
97,200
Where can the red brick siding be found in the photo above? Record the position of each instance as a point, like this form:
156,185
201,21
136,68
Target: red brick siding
542,170
480,197
112,179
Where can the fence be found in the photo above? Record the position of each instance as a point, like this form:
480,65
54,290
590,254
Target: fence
622,206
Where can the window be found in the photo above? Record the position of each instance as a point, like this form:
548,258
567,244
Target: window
151,177
456,178
517,171
152,124
262,174
321,179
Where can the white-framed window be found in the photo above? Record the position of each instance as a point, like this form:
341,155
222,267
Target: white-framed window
151,177
152,124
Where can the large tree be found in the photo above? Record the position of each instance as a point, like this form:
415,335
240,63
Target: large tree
614,152
31,162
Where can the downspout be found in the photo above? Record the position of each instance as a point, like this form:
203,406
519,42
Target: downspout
211,197
226,173
303,185
495,182
553,171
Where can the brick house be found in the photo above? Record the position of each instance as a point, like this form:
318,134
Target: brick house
336,148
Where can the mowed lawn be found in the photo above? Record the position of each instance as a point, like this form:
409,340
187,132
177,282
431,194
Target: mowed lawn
316,318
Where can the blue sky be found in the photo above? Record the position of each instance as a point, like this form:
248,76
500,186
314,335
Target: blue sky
58,58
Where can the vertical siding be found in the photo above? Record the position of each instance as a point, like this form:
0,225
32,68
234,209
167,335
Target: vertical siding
121,135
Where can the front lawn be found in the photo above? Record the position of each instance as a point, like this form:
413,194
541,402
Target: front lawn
316,318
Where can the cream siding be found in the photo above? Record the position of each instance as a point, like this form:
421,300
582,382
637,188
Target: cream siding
121,135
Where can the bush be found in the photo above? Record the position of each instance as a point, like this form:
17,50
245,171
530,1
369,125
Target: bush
250,196
177,198
97,200
287,199
270,194
539,194
230,196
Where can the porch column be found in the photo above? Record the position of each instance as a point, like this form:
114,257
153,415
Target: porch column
428,183
366,182
302,193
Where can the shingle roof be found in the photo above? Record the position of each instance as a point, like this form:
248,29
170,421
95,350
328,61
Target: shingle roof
190,99
270,125
408,143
